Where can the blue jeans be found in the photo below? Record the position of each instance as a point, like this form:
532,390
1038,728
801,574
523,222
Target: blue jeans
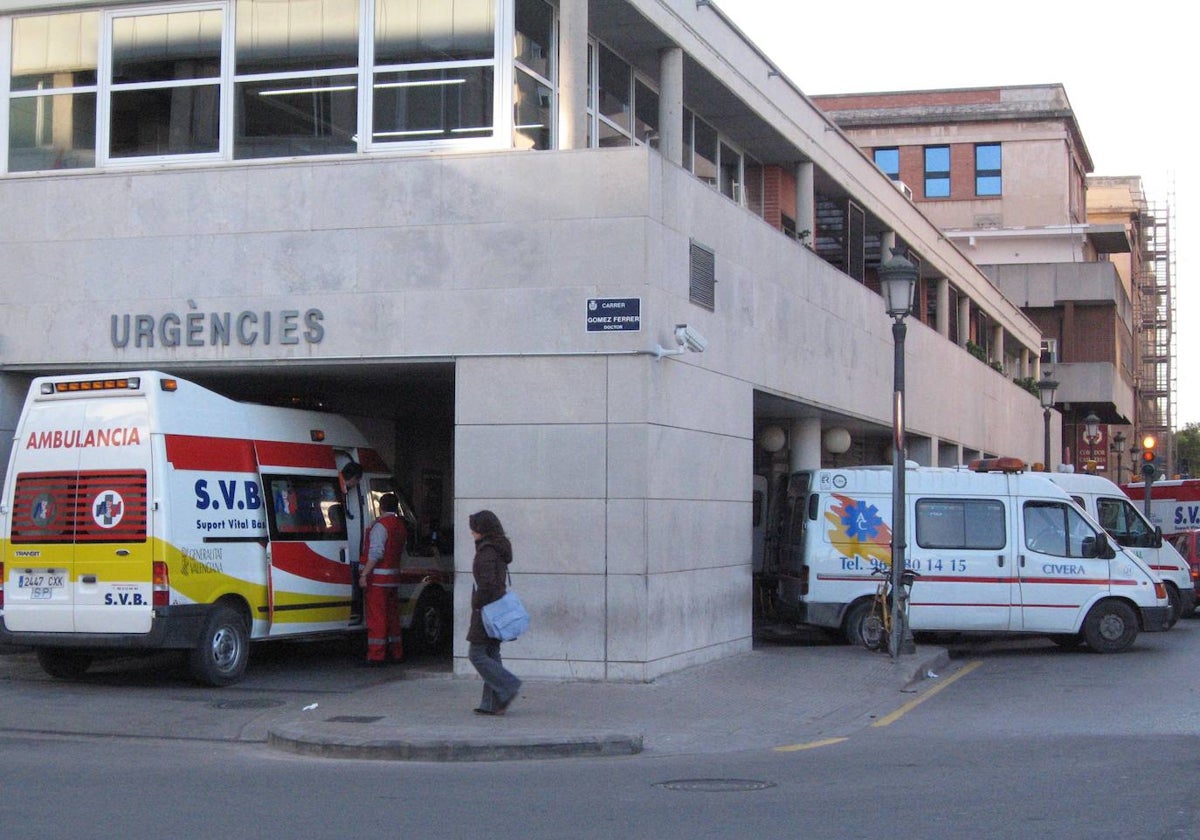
500,685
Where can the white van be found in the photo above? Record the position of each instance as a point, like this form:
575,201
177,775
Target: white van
143,512
998,550
1107,504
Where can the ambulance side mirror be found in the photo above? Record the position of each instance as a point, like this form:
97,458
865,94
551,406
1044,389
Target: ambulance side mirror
1098,547
1157,541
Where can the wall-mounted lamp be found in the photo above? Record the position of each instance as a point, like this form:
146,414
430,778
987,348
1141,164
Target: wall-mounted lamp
688,338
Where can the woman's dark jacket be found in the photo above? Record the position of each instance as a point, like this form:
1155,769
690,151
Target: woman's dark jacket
490,569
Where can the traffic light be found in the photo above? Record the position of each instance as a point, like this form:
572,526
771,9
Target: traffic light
1149,458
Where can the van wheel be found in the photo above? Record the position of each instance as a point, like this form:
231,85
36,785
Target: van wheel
431,621
63,663
220,657
854,628
1110,627
1174,604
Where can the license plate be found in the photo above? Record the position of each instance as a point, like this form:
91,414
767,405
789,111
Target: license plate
41,586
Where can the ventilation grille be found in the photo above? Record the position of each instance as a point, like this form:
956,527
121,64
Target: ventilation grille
702,276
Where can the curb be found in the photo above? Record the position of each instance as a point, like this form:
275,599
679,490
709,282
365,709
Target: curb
305,741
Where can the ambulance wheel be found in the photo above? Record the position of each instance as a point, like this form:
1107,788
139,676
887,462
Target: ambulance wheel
1175,605
220,657
854,628
63,663
1110,627
431,621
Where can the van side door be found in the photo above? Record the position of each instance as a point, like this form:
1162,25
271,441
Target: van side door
962,551
1059,571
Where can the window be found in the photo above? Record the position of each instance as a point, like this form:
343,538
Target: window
937,171
614,99
645,112
730,173
52,103
961,524
533,80
1059,529
296,84
889,161
704,152
89,506
1049,351
305,507
987,169
1125,524
434,70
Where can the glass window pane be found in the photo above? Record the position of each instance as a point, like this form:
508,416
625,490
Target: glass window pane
534,36
616,78
610,136
937,159
987,185
532,104
52,132
987,156
889,161
455,102
412,31
645,118
54,51
704,141
731,173
274,37
288,117
167,47
164,121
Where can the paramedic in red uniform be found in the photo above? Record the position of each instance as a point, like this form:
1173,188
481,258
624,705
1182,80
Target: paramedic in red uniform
379,579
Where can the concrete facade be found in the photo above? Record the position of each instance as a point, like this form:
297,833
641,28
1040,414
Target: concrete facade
623,476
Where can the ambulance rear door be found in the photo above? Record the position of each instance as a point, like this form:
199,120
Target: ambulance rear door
80,556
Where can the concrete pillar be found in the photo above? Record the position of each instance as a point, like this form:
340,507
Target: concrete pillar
670,105
1025,354
806,203
572,74
923,450
887,241
805,439
942,290
964,320
998,345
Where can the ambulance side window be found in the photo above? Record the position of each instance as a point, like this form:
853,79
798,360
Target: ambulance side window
304,507
961,523
1121,519
1058,528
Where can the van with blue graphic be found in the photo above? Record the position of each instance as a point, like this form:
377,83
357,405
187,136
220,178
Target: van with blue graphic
997,549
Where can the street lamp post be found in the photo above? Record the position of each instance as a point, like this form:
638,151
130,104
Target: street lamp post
898,281
1118,446
1046,388
1091,433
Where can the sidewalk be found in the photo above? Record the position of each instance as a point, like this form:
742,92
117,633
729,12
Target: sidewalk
775,695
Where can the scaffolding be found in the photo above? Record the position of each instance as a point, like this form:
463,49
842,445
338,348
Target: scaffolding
1155,313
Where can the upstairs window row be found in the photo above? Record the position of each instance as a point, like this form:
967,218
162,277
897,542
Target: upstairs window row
936,168
249,79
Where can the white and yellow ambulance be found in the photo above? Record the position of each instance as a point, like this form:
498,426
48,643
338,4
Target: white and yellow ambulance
997,549
143,512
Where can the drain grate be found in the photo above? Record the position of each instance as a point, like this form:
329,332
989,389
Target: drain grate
248,703
354,719
715,785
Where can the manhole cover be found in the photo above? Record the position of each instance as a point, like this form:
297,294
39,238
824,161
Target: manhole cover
249,703
354,719
715,785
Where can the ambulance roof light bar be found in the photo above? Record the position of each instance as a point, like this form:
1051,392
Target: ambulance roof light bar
1005,465
130,383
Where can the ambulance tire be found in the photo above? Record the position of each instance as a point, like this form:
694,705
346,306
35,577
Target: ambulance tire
220,657
1110,627
855,624
63,663
431,621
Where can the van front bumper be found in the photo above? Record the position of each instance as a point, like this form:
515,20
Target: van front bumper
176,627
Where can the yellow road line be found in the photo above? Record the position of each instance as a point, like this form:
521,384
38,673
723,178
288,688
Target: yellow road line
811,745
887,720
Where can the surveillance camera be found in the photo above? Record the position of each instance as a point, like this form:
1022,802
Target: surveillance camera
688,337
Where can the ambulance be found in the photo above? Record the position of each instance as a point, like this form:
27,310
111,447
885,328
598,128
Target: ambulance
1107,504
142,512
1174,503
997,549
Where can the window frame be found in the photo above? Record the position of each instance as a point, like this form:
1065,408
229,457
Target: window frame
938,176
989,174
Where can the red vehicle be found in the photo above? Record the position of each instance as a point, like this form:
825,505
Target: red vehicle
1187,543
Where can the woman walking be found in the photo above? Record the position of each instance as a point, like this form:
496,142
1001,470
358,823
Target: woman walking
493,553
